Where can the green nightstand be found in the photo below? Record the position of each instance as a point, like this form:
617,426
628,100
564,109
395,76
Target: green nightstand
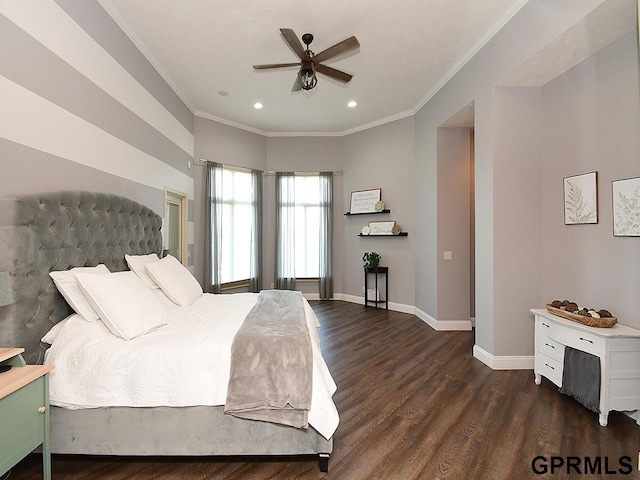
24,411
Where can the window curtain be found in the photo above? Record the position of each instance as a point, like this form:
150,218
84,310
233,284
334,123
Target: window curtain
325,286
255,282
285,231
213,234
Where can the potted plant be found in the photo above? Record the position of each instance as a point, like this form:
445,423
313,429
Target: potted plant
372,260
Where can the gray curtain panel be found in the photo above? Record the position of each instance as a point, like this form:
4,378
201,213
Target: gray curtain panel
326,236
255,282
285,231
213,232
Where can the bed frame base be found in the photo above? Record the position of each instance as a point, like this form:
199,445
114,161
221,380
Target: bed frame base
189,431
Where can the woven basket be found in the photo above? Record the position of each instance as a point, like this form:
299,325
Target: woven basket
589,321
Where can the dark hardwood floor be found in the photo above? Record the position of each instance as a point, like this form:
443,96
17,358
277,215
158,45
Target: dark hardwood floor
414,404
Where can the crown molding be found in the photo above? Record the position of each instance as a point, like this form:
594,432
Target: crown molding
488,35
140,45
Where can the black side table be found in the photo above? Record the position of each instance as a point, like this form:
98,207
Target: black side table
376,301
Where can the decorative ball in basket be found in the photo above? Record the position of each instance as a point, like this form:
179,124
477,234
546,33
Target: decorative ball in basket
587,316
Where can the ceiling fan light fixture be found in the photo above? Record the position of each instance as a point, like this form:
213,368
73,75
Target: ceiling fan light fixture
257,105
352,104
312,63
307,76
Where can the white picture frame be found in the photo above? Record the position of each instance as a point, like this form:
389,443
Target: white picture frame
381,228
626,207
364,201
581,199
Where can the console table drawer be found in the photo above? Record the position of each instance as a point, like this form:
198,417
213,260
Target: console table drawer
550,368
548,346
577,339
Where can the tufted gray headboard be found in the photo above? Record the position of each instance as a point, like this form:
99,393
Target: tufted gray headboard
58,231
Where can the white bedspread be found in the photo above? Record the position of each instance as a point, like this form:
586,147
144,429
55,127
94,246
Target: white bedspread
183,363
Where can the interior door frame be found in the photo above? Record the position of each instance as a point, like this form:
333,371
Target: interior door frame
175,196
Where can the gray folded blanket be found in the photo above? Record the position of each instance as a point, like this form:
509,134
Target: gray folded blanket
272,362
581,378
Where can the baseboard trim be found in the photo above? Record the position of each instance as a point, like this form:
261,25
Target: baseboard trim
515,362
396,307
443,325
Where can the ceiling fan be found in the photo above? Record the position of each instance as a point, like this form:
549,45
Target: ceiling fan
310,62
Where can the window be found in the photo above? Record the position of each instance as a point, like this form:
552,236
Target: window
237,221
304,204
307,226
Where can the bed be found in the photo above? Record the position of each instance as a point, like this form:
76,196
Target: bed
61,230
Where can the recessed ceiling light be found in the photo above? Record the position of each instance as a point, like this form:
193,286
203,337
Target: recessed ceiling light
352,104
257,105
222,93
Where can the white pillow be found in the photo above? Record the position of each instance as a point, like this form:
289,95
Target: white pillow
137,264
52,334
175,280
68,287
125,304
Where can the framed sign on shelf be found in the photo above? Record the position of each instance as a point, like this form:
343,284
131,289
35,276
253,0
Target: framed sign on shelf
364,201
381,228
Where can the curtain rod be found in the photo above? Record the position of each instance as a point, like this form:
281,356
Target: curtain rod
271,173
202,161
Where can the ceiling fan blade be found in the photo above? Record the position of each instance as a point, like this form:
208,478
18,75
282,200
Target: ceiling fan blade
333,73
350,43
292,39
276,65
296,87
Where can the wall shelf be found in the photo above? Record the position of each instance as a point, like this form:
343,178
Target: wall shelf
401,234
368,213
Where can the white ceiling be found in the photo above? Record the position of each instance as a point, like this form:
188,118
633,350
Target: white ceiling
408,50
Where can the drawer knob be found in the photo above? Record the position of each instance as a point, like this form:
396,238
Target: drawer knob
549,366
42,409
545,325
586,340
549,345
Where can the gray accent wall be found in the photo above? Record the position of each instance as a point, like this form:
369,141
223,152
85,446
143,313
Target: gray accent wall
38,172
74,116
97,23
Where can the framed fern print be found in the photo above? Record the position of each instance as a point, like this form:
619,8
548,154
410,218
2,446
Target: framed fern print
581,199
626,207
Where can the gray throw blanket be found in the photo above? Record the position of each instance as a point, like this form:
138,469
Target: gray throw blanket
272,362
581,378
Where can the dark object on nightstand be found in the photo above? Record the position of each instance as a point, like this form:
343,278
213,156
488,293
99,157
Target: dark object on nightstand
5,368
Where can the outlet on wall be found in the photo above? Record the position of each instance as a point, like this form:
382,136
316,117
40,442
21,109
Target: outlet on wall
362,288
273,285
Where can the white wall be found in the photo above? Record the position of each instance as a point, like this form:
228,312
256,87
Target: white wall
382,157
454,235
591,122
509,158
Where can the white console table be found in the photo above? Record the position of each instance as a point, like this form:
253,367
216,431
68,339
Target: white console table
618,348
